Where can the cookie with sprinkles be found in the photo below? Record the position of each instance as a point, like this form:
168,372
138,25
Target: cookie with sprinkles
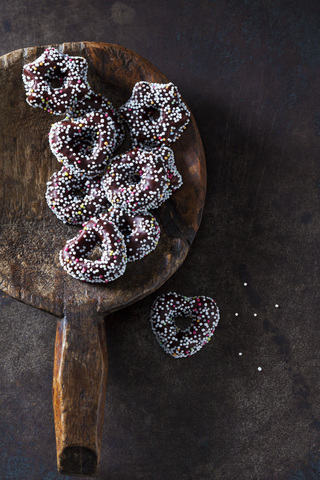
74,198
203,313
155,113
55,81
84,144
141,231
141,180
104,239
174,179
95,102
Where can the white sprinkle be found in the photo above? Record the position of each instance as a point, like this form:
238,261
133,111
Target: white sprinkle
255,314
276,305
236,314
240,353
245,284
259,369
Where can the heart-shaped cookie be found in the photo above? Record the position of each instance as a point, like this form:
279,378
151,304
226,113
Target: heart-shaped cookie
204,315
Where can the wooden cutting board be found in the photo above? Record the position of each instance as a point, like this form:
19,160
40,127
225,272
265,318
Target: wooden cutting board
31,238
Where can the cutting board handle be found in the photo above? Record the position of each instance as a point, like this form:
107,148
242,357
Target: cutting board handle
79,389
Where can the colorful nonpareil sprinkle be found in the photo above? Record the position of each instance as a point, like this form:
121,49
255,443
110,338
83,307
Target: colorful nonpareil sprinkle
155,114
141,231
141,180
74,198
112,260
112,194
203,313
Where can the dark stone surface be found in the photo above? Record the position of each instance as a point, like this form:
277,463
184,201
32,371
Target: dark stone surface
250,72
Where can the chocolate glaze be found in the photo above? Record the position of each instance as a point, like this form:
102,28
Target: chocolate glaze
204,315
95,102
75,199
85,141
55,81
141,231
155,113
85,144
113,256
141,180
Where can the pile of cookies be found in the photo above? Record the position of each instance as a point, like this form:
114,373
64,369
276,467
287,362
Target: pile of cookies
111,196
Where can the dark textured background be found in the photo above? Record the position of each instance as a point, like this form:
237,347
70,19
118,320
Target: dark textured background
250,71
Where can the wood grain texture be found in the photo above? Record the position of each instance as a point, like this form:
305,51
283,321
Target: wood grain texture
31,237
79,391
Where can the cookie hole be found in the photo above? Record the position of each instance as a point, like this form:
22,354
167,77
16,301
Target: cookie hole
183,323
95,254
125,230
84,142
78,193
56,83
55,78
135,179
153,113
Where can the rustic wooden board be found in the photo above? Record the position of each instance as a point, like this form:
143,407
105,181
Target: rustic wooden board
31,236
